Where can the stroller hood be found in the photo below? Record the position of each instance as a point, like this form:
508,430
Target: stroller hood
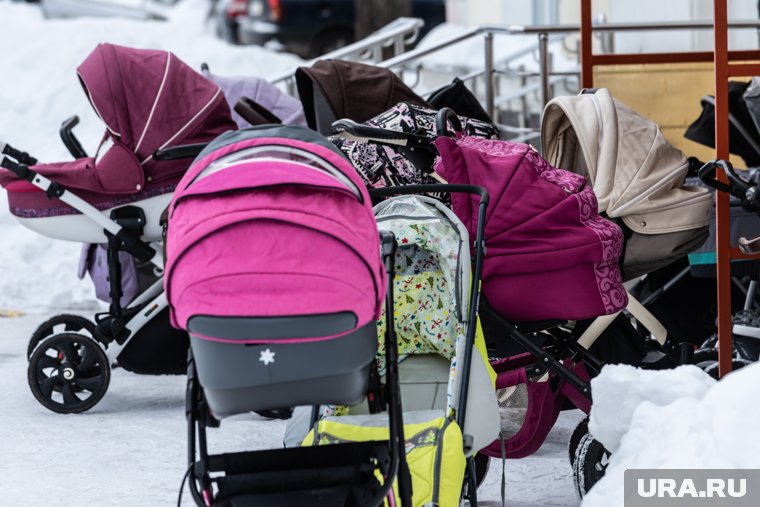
636,174
351,90
267,95
148,100
743,135
151,99
550,254
267,213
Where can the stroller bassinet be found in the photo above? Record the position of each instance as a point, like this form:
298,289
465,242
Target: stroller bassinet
135,92
273,267
637,176
259,309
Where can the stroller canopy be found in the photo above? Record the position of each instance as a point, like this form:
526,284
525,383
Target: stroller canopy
334,89
432,273
550,254
271,222
148,100
637,175
743,115
264,93
151,99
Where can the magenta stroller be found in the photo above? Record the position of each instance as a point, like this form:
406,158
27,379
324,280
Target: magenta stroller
150,102
264,214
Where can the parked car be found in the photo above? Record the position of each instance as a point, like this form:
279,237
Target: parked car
131,9
308,28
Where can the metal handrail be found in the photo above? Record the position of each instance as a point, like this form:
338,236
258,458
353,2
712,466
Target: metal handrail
396,34
488,32
405,30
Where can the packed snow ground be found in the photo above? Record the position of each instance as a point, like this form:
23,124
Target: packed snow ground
130,449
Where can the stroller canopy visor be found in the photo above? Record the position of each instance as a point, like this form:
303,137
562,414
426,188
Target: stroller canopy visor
149,99
635,172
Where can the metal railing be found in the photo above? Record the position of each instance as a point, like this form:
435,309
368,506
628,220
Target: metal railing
543,33
397,35
404,31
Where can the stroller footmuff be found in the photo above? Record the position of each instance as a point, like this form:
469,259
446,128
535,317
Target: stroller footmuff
273,267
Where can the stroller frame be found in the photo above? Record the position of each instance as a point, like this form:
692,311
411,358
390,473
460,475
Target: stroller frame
114,330
305,467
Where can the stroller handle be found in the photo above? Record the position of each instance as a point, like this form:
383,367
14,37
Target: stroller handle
21,157
69,139
430,189
736,186
349,129
179,152
445,117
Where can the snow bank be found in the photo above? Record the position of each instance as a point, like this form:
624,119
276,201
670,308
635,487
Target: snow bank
39,90
672,419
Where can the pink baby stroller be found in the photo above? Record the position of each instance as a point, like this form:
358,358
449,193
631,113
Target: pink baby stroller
274,269
115,198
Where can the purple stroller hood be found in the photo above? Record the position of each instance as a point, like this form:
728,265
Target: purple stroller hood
279,103
550,254
271,222
148,100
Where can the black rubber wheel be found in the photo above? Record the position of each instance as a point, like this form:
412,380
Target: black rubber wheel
277,413
707,361
482,463
68,373
578,433
470,486
63,323
590,465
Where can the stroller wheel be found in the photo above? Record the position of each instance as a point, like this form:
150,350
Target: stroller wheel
68,373
63,323
578,433
278,413
482,463
707,361
590,465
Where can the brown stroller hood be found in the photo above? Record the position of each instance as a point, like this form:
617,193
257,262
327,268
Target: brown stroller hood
336,89
636,174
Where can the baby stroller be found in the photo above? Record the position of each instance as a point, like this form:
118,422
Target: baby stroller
115,198
437,334
289,322
545,364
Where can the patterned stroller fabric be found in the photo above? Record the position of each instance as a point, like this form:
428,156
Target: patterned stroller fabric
431,289
382,165
550,254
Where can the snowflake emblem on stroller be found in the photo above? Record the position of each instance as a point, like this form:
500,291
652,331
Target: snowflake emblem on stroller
266,357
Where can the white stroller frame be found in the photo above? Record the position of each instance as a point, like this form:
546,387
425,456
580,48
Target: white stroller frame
113,333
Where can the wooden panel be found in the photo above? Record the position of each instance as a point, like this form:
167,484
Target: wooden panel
668,94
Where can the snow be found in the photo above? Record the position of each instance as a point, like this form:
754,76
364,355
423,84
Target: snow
130,449
39,90
672,419
512,50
